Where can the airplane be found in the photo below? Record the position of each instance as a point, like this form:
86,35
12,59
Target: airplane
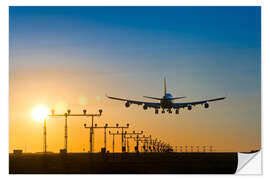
166,102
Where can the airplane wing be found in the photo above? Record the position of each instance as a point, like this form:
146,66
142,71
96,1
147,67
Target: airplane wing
194,103
152,105
148,104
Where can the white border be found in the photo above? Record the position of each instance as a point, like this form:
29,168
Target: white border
4,68
137,2
4,126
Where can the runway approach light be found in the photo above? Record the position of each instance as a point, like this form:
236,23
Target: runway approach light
100,111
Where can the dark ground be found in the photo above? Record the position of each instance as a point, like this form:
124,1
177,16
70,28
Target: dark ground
126,163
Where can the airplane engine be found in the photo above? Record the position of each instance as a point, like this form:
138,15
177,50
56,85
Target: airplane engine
189,107
144,107
206,105
127,104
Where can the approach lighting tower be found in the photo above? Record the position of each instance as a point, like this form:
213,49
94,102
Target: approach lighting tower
105,132
66,115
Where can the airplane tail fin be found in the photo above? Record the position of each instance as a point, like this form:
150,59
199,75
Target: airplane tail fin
165,90
152,97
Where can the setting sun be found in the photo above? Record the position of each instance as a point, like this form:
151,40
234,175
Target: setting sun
39,113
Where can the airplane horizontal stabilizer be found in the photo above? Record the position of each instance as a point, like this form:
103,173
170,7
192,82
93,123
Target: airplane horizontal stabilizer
152,97
177,98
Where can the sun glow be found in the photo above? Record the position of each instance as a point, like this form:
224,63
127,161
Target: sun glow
39,113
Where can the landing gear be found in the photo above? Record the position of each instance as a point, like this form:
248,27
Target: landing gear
177,111
163,111
156,111
170,111
145,107
206,105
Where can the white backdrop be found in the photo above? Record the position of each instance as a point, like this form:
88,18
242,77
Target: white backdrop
4,126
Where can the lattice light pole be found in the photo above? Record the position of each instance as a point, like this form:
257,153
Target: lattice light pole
151,147
131,136
127,138
155,145
105,132
122,140
146,142
204,148
159,146
79,115
45,137
162,146
143,139
211,149
113,134
137,140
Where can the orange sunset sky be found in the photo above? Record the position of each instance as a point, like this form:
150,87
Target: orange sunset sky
69,58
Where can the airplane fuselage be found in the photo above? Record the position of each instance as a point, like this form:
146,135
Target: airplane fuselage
166,102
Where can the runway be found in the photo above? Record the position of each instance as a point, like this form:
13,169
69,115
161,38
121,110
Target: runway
124,163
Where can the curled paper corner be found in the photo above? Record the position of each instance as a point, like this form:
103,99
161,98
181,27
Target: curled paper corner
249,163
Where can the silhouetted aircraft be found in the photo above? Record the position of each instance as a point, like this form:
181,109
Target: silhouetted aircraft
166,102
